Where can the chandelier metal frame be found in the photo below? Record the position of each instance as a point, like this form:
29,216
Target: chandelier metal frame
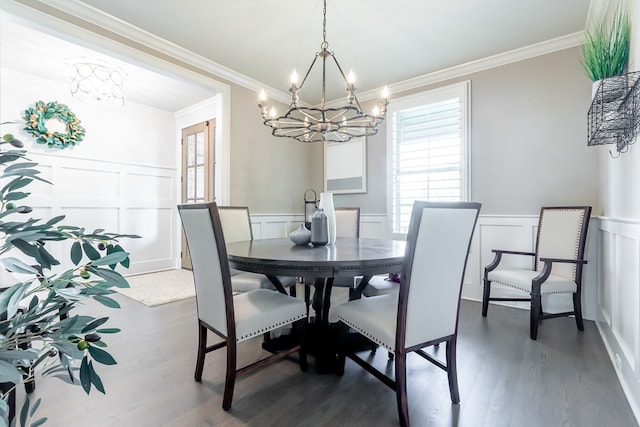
322,123
97,82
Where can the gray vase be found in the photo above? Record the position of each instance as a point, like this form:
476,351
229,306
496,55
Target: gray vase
319,229
300,236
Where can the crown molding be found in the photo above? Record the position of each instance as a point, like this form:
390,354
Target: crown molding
527,52
95,16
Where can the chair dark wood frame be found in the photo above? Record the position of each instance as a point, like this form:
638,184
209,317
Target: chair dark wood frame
536,312
229,340
399,384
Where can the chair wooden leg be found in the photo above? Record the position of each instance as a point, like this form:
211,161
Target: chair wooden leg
485,297
401,388
536,309
307,297
230,380
299,328
343,332
452,371
577,308
202,351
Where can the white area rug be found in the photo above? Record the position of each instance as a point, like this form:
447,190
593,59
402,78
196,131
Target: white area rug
160,288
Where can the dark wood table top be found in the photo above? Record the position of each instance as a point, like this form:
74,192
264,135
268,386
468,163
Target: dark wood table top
347,257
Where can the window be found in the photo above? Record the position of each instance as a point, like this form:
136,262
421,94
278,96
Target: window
427,151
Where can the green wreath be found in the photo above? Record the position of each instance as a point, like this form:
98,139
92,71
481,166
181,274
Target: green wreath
37,116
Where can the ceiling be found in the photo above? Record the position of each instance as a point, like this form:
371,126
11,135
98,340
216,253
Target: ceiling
382,41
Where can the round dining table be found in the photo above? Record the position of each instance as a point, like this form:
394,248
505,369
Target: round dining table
319,265
346,257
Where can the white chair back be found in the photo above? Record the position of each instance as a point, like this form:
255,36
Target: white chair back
203,231
347,222
560,234
236,223
438,244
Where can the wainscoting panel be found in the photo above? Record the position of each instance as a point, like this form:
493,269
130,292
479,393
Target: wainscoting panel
118,197
618,301
266,226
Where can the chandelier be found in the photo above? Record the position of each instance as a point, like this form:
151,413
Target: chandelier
322,123
97,82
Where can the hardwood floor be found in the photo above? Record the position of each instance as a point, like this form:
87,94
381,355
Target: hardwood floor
563,379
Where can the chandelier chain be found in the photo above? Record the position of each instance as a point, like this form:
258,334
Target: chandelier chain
324,25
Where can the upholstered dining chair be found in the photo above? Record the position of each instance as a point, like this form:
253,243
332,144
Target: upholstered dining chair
425,311
234,318
236,224
557,265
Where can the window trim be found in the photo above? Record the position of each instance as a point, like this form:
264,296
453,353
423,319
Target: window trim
462,90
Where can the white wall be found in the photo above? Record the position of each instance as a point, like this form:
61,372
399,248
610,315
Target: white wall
121,177
618,298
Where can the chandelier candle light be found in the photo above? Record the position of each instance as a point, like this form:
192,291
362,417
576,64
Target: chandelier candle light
322,123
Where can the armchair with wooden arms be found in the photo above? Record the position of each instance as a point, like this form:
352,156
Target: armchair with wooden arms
557,265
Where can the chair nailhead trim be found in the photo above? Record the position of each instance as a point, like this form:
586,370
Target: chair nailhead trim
368,335
270,328
527,290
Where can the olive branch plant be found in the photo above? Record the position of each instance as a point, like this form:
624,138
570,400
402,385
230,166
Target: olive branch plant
39,332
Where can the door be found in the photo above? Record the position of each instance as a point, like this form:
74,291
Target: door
198,163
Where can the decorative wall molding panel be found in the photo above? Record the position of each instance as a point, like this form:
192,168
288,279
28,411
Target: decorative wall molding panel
119,197
618,301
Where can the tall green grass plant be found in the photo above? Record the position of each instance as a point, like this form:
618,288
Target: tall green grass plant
605,52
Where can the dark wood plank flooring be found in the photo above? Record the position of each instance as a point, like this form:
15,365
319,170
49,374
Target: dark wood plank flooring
563,379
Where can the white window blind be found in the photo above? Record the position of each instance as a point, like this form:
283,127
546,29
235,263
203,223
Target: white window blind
428,152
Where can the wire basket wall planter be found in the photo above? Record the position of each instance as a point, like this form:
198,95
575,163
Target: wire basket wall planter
614,115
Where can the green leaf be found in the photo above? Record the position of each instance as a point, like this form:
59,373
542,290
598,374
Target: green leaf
24,413
125,262
16,355
55,220
108,331
95,379
6,295
90,251
112,258
9,373
16,183
16,195
93,325
34,302
101,356
17,266
39,422
85,375
76,253
112,277
46,259
25,248
106,301
23,165
27,235
14,301
4,412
